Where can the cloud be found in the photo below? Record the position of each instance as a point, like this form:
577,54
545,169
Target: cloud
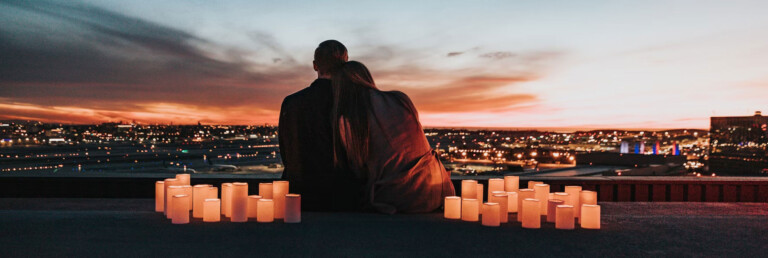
452,54
498,55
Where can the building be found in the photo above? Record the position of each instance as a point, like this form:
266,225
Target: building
738,145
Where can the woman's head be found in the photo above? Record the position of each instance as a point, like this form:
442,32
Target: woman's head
352,84
353,74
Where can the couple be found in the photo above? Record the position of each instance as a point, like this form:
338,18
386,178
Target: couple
346,145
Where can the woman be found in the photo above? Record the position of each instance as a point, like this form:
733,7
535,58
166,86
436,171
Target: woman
377,135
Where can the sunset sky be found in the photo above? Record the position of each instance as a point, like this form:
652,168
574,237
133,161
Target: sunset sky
574,64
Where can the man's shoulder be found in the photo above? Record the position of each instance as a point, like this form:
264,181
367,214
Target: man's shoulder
317,89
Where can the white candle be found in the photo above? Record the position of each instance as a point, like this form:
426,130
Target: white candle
253,205
279,190
491,214
226,199
180,209
468,189
212,210
565,197
172,190
213,193
265,190
159,196
452,207
512,202
469,211
587,197
239,202
495,185
573,192
292,208
183,178
551,209
266,211
188,192
564,218
167,182
480,198
531,214
199,194
511,183
590,216
542,194
522,195
501,198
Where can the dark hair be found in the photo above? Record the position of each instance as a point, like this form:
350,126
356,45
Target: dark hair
352,84
329,56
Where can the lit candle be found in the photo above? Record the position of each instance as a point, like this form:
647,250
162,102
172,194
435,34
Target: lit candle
491,214
253,205
266,211
494,185
551,209
279,190
573,194
532,183
226,199
590,216
212,210
166,198
239,202
213,193
480,197
159,196
468,189
188,192
452,207
183,178
587,197
512,202
511,183
542,194
292,208
172,190
180,209
469,210
199,194
564,218
265,190
522,195
565,197
502,199
531,214
551,196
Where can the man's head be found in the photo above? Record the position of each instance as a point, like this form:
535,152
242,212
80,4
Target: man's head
329,56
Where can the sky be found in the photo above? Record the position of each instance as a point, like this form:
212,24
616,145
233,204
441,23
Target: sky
542,64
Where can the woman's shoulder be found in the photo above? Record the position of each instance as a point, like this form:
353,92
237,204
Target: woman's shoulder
399,98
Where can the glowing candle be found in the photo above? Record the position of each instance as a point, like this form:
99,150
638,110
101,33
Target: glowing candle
491,214
522,195
199,194
501,198
292,208
172,190
573,194
212,210
480,196
532,183
469,189
531,214
590,216
166,198
266,211
586,197
494,185
239,202
180,209
279,190
551,209
452,207
159,196
565,197
551,196
226,199
564,217
188,192
469,210
265,190
253,205
512,202
183,179
213,193
542,194
511,183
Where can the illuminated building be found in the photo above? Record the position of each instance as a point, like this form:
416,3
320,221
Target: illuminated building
738,144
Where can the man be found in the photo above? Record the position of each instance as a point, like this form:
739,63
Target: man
306,139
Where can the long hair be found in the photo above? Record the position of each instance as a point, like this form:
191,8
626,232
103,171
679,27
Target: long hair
352,84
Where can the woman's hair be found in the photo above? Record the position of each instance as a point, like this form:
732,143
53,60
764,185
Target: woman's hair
351,107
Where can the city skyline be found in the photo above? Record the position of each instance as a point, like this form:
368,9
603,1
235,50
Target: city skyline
497,64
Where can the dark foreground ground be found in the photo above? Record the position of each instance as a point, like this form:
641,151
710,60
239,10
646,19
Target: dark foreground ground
128,228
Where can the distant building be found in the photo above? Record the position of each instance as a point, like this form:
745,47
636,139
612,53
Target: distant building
739,144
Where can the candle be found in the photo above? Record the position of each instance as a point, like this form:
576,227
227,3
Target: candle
266,212
226,199
172,190
512,202
253,205
491,214
159,196
573,195
199,194
587,197
166,199
183,178
292,208
180,209
239,202
551,196
532,183
213,193
480,198
511,183
531,214
469,210
212,210
188,192
551,209
452,207
468,189
265,190
565,197
542,194
502,199
522,195
590,216
279,190
564,218
494,185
